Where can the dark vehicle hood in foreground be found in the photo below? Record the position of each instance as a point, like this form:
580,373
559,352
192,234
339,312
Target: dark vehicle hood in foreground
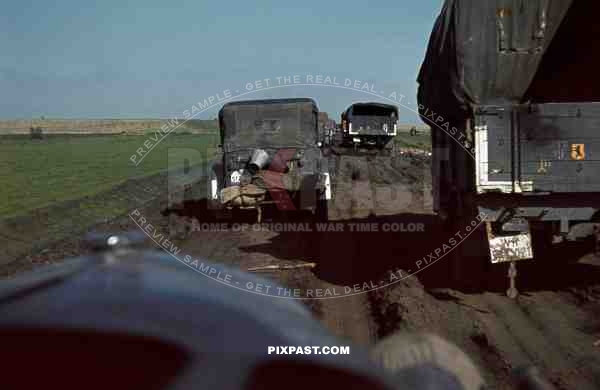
87,313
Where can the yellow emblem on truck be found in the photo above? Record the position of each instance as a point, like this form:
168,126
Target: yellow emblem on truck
578,152
502,12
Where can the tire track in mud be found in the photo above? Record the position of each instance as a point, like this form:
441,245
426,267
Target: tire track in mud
395,190
553,316
526,335
350,316
352,197
366,186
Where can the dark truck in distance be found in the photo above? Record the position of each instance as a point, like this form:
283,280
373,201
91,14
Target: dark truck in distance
370,124
327,128
270,154
511,92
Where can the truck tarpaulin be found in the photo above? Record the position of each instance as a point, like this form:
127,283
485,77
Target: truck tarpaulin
271,123
486,52
532,60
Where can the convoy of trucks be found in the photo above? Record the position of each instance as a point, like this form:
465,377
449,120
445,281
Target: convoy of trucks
271,153
513,129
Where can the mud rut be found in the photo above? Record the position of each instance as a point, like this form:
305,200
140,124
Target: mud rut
364,186
555,324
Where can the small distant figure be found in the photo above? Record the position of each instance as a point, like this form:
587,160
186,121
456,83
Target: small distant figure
413,131
36,132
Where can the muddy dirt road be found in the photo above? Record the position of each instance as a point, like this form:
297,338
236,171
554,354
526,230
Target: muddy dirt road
381,224
554,324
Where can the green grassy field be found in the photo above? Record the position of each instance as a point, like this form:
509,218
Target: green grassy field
420,141
39,173
35,174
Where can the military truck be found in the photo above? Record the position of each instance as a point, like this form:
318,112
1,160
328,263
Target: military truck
324,128
270,154
330,131
370,125
511,92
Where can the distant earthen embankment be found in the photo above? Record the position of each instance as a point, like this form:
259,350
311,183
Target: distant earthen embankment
102,126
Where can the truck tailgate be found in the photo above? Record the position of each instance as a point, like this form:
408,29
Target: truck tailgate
551,147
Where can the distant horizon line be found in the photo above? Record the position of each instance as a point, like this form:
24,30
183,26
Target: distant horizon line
142,119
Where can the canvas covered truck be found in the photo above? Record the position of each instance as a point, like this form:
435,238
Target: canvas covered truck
330,130
511,91
323,120
326,128
270,154
370,125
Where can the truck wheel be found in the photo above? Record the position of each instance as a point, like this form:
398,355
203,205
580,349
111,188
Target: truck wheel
387,149
322,207
468,262
541,238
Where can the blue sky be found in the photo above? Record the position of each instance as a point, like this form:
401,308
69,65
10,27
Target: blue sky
134,59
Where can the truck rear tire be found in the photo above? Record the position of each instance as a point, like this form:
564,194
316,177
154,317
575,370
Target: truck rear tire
322,207
388,149
541,238
469,260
